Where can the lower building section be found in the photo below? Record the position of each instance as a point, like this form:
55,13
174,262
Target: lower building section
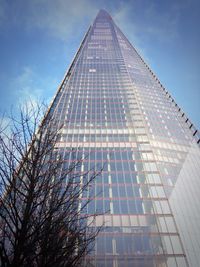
137,261
136,246
138,225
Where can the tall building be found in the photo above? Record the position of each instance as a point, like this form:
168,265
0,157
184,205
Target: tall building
115,111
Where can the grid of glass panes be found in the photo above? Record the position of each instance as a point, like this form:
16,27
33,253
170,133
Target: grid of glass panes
174,148
101,105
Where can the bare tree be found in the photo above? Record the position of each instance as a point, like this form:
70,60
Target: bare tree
42,220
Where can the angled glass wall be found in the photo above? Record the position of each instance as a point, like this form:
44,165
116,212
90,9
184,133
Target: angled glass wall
116,112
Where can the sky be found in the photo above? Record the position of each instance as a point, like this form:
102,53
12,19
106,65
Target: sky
38,40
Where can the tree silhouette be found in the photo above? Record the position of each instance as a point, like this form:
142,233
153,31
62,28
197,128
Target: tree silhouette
42,219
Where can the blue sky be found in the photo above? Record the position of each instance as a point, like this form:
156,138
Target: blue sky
38,39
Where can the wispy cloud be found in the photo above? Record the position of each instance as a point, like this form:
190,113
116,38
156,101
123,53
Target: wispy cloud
30,86
27,93
26,87
60,18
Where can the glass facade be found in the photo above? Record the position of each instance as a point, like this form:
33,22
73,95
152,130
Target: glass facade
118,116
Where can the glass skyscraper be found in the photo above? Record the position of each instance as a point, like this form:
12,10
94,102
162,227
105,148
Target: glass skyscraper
117,114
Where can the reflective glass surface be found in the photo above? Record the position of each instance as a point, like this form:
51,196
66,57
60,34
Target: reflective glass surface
118,116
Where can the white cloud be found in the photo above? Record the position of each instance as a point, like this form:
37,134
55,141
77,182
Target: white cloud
29,93
61,18
25,84
31,88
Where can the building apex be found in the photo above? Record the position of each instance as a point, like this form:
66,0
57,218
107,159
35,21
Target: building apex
103,12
